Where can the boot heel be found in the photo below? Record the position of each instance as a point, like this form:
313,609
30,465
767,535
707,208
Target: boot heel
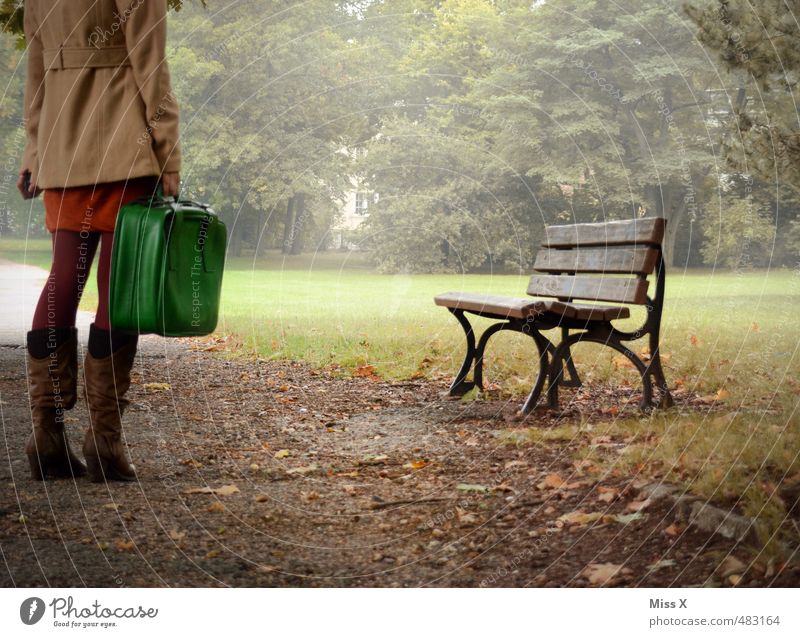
36,468
97,469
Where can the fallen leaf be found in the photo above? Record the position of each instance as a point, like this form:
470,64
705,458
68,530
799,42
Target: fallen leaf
365,370
602,574
502,488
157,386
473,488
465,517
416,464
372,460
627,518
176,535
228,489
216,507
579,517
111,505
607,494
734,579
638,505
551,481
694,340
283,453
673,530
122,545
262,497
308,496
755,328
661,564
303,471
731,566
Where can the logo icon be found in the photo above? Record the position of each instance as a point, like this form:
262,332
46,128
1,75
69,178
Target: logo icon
31,611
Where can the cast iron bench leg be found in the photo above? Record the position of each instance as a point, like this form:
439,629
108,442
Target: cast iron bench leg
574,380
546,349
461,385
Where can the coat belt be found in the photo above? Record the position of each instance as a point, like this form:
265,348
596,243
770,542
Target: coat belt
85,57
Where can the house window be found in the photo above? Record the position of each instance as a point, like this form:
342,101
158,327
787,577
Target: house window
362,203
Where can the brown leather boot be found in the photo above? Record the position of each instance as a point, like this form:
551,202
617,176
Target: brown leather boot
107,369
52,383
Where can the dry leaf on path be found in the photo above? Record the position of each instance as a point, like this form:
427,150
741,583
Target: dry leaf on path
624,518
673,530
283,453
661,564
579,517
602,574
473,488
228,489
157,386
607,494
303,471
638,505
124,545
552,481
731,566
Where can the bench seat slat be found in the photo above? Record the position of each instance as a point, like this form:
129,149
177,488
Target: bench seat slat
598,260
631,231
511,307
629,290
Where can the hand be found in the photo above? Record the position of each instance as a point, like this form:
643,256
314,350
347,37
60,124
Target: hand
32,190
170,182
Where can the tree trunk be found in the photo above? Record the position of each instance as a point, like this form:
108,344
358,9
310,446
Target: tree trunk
299,223
235,247
288,226
261,235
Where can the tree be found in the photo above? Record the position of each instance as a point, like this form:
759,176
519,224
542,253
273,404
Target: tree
759,42
264,116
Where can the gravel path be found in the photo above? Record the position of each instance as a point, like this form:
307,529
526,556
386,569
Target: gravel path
268,473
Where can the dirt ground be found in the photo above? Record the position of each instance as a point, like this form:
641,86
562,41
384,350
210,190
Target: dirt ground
265,473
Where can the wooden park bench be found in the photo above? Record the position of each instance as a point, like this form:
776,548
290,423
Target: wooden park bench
604,250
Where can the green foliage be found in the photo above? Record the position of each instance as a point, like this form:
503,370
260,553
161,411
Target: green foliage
759,42
740,238
507,116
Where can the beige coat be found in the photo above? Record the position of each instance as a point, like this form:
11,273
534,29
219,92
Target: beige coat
98,101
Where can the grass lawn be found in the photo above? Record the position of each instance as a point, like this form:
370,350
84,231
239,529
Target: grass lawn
732,338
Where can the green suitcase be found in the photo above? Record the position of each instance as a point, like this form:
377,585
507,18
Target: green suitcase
166,268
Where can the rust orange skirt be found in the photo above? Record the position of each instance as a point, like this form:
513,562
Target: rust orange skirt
92,208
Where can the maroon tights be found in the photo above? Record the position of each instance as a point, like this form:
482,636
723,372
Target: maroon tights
73,253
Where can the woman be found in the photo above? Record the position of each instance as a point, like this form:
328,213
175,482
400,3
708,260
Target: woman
102,129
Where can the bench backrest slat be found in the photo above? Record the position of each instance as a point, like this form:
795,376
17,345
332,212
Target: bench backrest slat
598,260
616,290
648,230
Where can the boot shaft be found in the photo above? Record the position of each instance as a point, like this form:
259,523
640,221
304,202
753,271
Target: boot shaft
53,369
108,378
